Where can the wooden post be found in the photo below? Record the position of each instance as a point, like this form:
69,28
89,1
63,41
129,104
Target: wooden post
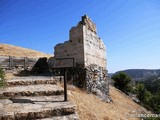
65,84
25,62
64,63
10,62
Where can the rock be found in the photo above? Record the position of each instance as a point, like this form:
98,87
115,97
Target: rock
96,82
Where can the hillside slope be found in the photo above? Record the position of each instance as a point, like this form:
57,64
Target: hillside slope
10,50
92,108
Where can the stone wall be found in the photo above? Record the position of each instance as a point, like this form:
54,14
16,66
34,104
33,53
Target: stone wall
94,49
89,53
84,45
96,81
73,48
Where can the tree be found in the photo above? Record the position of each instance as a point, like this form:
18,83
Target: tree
143,94
155,104
122,82
140,90
147,97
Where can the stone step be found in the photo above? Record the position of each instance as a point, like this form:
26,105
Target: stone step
31,90
66,117
36,99
31,81
38,110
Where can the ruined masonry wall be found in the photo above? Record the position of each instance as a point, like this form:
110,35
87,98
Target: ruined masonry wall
89,51
84,45
94,49
73,48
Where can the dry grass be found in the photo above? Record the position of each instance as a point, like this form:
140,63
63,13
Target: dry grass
10,50
92,108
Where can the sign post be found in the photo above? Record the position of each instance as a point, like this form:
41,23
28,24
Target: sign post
65,84
64,63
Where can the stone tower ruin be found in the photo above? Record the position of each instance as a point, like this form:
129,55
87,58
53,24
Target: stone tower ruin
84,45
89,53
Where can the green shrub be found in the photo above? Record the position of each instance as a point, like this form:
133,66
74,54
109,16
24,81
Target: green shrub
2,80
122,82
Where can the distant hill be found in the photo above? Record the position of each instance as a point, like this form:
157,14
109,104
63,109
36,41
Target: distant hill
10,50
141,74
110,74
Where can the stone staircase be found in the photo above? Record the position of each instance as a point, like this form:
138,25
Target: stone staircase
35,98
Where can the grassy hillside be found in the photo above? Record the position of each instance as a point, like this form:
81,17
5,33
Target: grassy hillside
10,50
92,108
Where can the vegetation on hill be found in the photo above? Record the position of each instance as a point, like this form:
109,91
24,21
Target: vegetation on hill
152,84
2,81
122,82
147,91
149,94
147,99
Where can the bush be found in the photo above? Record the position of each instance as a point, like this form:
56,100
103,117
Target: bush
2,81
